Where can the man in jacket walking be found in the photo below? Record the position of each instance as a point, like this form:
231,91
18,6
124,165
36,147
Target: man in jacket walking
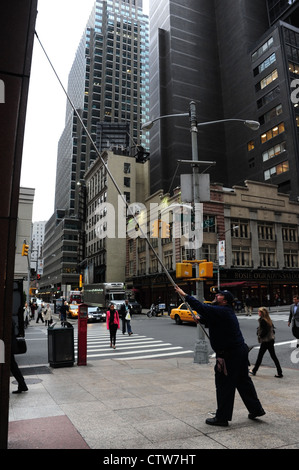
294,317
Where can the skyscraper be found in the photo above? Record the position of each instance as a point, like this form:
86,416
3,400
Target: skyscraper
235,60
108,84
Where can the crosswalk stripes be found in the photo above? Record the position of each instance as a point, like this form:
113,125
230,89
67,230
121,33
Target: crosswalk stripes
274,318
128,347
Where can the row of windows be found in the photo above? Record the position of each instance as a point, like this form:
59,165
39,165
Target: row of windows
266,231
241,256
276,170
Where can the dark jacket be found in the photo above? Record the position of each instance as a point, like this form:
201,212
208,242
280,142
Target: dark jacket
123,311
225,334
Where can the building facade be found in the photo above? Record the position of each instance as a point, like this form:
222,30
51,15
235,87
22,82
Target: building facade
106,215
108,85
236,60
259,227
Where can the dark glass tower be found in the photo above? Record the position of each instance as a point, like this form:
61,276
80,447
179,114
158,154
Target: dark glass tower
235,60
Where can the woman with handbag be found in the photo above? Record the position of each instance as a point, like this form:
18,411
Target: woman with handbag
112,319
266,337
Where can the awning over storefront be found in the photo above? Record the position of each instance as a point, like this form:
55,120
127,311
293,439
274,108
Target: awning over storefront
233,284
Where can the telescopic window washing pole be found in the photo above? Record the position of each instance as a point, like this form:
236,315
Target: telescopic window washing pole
113,180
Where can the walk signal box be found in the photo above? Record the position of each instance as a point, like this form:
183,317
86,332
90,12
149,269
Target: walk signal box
183,270
206,270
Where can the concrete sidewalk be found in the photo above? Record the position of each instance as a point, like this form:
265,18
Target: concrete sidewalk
146,404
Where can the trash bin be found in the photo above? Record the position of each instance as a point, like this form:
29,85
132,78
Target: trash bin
61,346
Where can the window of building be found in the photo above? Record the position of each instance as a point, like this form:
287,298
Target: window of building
271,133
289,234
262,49
268,97
266,231
276,170
274,112
241,229
273,151
250,145
267,80
127,182
127,167
209,223
291,258
267,257
265,64
209,252
293,68
241,256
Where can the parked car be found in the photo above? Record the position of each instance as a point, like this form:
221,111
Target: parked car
136,307
181,313
96,314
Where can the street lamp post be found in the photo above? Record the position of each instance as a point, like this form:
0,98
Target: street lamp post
201,347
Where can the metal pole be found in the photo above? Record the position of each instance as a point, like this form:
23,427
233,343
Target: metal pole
201,345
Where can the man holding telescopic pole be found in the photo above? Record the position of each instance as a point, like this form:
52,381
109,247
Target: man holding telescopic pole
231,369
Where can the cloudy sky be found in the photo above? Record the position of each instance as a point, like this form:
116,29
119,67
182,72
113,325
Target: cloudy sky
59,25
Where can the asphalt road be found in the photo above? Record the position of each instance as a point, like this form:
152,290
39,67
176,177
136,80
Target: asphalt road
163,333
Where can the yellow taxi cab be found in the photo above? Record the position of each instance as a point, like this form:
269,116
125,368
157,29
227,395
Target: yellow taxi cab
73,311
182,313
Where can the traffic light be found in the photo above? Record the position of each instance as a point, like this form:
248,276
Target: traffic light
183,270
25,249
165,230
155,229
206,270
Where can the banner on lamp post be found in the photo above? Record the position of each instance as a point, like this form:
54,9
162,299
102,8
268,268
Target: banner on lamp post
221,252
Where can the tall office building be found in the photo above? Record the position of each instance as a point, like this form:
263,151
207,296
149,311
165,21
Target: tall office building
108,85
235,60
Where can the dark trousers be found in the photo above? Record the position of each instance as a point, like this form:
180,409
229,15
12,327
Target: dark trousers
235,377
113,330
14,368
268,345
123,319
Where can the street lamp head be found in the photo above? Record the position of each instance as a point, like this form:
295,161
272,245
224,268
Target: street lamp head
254,125
147,125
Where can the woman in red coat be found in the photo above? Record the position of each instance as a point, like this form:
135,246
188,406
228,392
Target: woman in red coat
112,319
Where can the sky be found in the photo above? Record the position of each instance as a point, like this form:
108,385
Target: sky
59,26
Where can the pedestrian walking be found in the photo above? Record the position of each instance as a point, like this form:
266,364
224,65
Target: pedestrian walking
112,320
126,316
266,337
48,315
40,313
248,306
63,312
294,317
231,369
27,313
14,368
33,308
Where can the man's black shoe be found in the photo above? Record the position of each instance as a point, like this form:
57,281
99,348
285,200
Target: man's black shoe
21,389
216,422
257,414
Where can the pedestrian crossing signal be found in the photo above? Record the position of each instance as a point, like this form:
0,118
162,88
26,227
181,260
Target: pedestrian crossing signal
206,270
183,270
